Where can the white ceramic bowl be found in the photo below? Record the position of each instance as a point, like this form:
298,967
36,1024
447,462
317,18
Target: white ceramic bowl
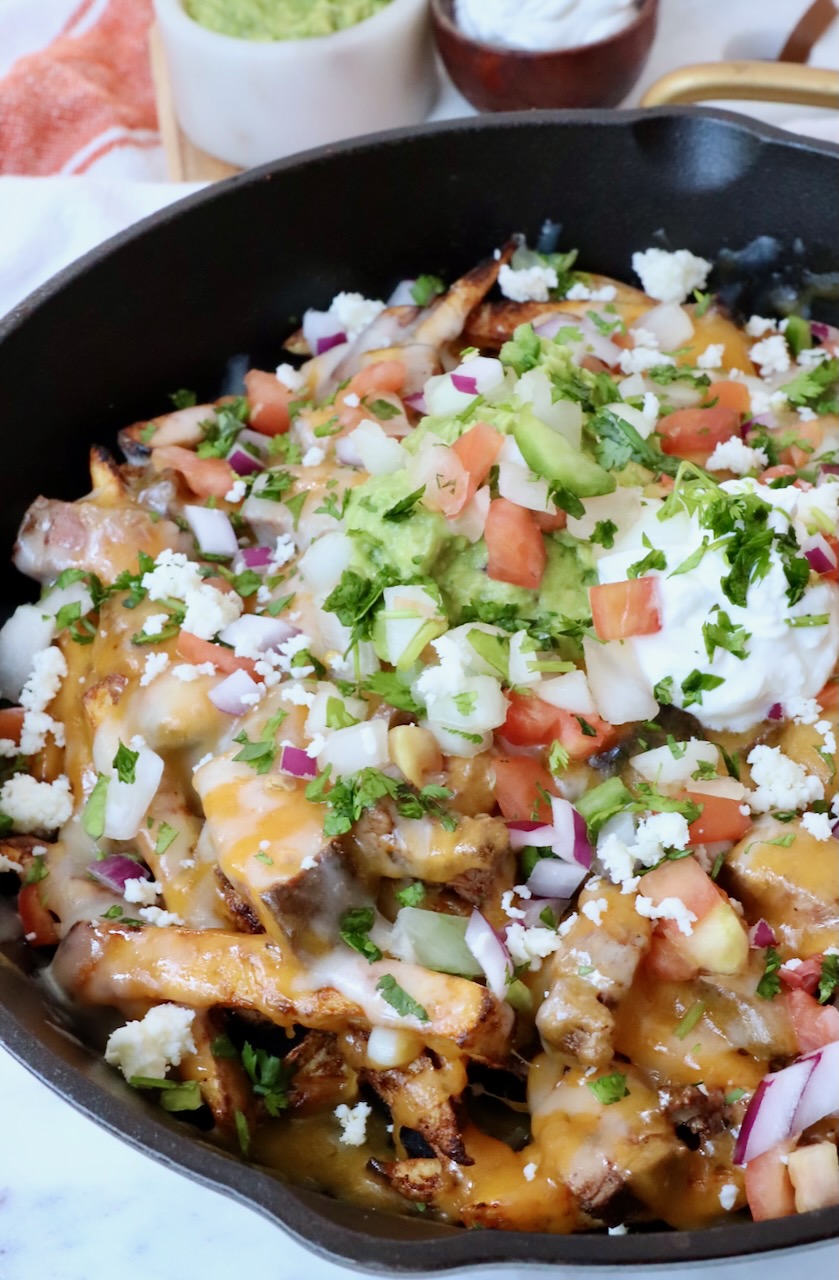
248,102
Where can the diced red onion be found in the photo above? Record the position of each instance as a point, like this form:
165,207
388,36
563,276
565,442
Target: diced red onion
213,531
244,463
775,712
322,332
821,1093
788,1101
830,468
553,878
257,632
295,762
115,870
326,344
538,835
467,385
233,695
535,909
824,332
819,553
490,953
417,401
762,935
571,829
256,557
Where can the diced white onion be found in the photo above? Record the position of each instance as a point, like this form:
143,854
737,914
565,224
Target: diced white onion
618,687
565,416
570,692
379,454
471,521
325,560
233,694
670,323
128,802
664,768
518,485
454,744
361,746
443,398
213,531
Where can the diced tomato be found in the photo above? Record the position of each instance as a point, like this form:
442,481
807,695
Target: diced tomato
40,927
815,1024
11,723
593,364
268,400
832,575
812,434
532,722
730,395
769,1189
828,697
477,449
623,609
516,549
206,477
804,977
683,879
666,962
383,375
775,473
720,819
697,430
197,651
519,783
550,524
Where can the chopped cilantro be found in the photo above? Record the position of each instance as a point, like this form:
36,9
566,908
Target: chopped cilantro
809,620
354,930
269,1076
36,871
382,409
653,560
558,758
412,895
816,388
337,716
243,1132
93,817
404,509
166,835
355,600
829,980
690,1019
609,1089
723,634
619,443
663,691
523,350
398,999
183,399
697,683
665,374
425,288
125,763
604,533
770,984
352,795
389,686
734,1096
465,702
703,302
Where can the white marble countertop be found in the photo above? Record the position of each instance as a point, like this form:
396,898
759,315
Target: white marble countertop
76,1203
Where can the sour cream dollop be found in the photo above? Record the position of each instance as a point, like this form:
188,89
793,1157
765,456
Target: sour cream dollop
783,661
543,24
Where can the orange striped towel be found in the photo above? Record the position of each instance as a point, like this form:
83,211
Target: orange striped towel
79,98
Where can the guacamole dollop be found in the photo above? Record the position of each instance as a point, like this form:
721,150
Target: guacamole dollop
281,19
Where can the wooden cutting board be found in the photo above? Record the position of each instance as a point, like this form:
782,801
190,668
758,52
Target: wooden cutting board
185,162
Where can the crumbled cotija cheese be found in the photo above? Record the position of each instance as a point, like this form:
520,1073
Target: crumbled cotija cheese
532,284
711,357
208,610
158,917
670,277
818,825
529,1171
595,909
36,806
781,783
531,946
140,890
354,312
150,1046
735,456
728,1196
290,377
772,354
667,909
353,1122
155,664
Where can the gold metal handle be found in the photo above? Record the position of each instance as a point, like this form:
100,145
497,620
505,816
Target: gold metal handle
761,81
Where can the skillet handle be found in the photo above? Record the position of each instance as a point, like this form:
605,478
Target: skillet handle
763,81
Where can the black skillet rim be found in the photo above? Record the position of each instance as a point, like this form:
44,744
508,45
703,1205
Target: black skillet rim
427,1247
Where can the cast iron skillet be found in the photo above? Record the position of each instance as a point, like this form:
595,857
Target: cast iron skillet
224,272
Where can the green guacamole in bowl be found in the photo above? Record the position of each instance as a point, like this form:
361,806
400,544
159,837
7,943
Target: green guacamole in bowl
281,19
